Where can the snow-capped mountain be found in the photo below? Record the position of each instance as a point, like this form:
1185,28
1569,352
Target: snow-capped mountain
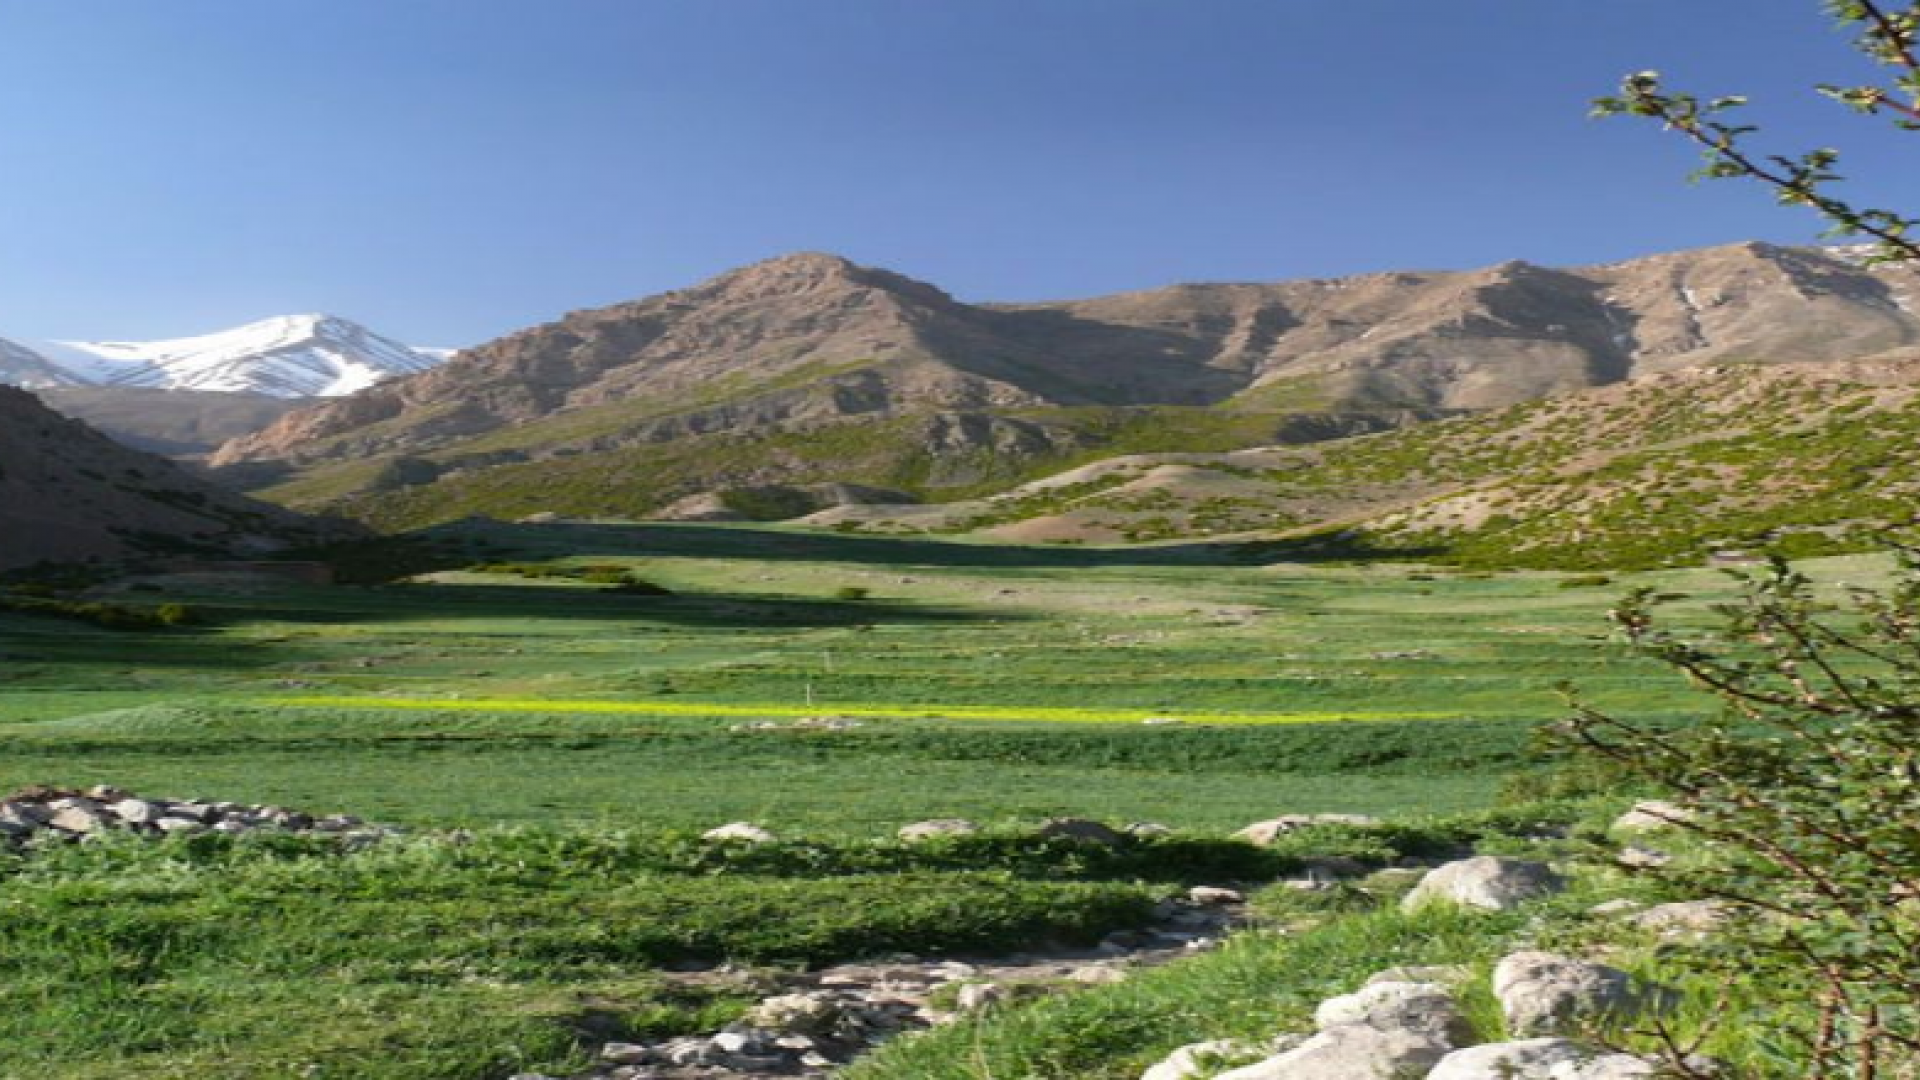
27,369
293,356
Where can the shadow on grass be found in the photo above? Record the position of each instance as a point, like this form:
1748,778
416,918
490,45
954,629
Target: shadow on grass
705,541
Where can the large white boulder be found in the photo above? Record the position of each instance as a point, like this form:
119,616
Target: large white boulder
1485,881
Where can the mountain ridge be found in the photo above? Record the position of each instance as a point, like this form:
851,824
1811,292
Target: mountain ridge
785,351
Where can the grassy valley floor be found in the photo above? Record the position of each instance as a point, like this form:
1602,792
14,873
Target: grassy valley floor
587,732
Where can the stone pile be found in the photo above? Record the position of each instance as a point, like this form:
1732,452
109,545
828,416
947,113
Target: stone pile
38,814
817,1022
1407,1023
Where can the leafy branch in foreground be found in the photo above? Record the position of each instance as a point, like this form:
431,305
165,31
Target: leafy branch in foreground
1806,786
1888,35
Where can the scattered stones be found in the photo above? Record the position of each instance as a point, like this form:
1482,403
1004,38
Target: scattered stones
741,831
41,813
1547,994
805,723
1266,832
811,1024
1653,815
927,830
1485,881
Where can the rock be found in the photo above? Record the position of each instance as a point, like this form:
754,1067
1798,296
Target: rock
624,1053
1427,1008
812,1014
1080,830
1653,815
1615,908
1197,1061
135,811
978,996
926,830
1266,832
1545,993
179,825
1214,896
1605,1067
107,793
1147,829
1530,1059
1635,857
1351,1052
79,818
21,812
1485,881
743,831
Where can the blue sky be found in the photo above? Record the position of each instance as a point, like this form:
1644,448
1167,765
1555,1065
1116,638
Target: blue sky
449,170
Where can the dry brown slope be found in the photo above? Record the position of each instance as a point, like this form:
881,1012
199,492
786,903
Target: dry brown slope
69,493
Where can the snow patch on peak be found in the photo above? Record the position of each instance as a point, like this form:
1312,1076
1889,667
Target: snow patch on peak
288,356
29,370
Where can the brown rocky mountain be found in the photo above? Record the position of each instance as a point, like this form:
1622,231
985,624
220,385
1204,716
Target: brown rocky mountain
805,344
69,493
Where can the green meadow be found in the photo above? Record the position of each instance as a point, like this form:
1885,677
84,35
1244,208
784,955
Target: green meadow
1190,684
582,701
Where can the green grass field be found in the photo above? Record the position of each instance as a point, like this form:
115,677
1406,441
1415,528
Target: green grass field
587,736
995,681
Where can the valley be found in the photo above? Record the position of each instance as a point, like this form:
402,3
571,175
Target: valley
807,670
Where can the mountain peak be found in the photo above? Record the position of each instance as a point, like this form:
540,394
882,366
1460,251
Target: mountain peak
312,354
802,272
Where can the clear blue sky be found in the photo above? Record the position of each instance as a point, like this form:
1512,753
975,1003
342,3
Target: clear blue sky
448,170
